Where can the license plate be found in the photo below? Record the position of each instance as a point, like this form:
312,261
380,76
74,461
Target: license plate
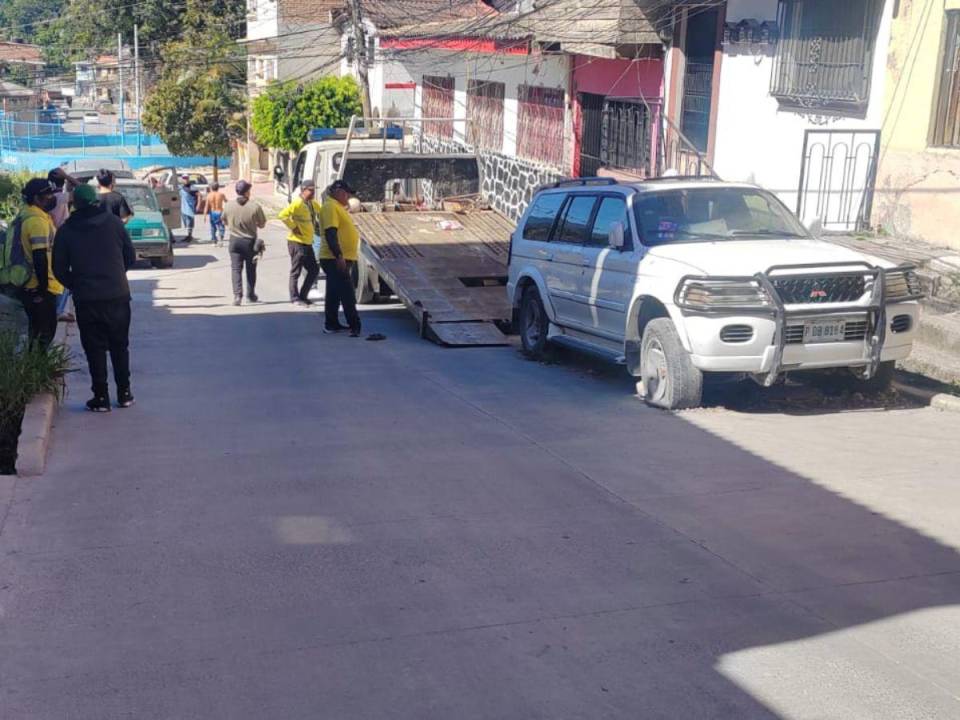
822,331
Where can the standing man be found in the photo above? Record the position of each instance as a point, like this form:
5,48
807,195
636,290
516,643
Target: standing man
302,218
338,255
213,206
110,199
188,205
244,217
92,253
40,293
65,186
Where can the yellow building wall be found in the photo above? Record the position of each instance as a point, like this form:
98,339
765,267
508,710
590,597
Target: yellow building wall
918,186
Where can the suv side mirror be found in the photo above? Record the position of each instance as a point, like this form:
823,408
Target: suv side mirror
278,172
615,238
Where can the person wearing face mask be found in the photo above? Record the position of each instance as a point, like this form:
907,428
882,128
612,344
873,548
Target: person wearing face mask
40,293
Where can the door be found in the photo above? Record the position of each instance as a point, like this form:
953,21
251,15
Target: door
562,272
591,132
608,274
167,188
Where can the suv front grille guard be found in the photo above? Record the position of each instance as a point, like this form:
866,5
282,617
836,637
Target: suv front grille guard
829,274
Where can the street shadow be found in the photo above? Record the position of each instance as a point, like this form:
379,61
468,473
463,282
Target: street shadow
191,262
623,540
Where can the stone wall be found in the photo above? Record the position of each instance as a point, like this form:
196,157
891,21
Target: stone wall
506,182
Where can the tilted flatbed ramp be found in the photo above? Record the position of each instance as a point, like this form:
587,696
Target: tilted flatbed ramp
448,268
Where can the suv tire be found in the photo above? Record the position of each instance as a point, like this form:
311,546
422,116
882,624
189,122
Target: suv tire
534,324
670,379
361,283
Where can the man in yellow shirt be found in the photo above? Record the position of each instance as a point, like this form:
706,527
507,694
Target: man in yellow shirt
41,292
338,255
302,218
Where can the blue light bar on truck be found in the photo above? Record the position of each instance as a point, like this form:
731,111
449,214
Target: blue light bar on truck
318,134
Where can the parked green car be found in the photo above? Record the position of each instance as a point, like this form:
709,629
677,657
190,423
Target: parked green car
151,237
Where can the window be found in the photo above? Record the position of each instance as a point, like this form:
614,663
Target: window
946,121
611,210
485,114
824,55
542,216
711,214
438,105
540,124
576,220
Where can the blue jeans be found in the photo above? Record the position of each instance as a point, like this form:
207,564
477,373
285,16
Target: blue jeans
62,302
217,229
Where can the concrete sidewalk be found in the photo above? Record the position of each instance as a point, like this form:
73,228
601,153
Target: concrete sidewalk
294,525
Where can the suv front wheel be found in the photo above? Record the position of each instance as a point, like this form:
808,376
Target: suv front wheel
533,323
670,380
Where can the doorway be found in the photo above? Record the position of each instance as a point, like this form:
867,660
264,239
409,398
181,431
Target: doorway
700,46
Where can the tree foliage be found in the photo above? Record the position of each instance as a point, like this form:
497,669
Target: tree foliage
285,112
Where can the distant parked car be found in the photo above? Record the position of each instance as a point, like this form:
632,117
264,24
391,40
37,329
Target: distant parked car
91,117
131,125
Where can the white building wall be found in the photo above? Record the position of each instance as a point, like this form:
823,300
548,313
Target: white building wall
262,19
756,140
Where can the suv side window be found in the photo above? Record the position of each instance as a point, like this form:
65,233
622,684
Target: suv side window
612,209
542,216
576,220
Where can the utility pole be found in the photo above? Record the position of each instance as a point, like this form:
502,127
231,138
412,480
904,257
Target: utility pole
136,87
120,70
360,57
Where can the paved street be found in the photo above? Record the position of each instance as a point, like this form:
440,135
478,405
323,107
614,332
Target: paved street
292,525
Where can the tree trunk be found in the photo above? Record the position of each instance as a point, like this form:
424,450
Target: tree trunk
216,170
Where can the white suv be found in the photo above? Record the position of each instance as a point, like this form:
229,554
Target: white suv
678,278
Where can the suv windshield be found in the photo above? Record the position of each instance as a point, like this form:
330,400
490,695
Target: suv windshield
140,199
712,213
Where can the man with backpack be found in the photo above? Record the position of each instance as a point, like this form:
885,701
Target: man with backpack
26,260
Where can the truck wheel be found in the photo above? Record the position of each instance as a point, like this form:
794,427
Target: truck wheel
670,380
879,383
361,283
162,262
534,324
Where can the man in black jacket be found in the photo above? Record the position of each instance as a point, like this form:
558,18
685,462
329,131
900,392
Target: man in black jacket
91,255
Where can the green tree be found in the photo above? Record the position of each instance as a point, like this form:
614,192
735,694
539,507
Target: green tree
285,112
197,107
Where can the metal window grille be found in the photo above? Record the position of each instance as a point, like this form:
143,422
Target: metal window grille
540,124
625,138
438,103
946,121
824,54
485,112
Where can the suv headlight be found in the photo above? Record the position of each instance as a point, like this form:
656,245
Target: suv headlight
901,285
707,294
152,232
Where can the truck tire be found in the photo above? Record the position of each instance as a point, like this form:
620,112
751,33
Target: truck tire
366,294
879,383
164,262
534,324
670,380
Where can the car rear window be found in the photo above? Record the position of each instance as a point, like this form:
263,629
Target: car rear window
542,216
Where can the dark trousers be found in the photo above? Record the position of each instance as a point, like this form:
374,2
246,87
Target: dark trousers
340,292
301,259
41,309
105,327
241,256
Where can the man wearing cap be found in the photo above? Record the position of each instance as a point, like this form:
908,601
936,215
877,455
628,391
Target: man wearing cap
92,253
338,255
41,292
243,218
302,217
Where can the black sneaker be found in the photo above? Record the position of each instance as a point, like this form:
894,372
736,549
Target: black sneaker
253,298
355,333
299,303
99,403
125,398
327,330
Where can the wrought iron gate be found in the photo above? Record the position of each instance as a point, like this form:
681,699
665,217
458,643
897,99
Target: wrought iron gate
591,131
838,173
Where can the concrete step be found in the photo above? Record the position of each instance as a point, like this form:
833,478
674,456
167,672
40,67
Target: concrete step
933,362
940,332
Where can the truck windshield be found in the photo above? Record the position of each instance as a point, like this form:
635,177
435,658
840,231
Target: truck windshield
140,199
712,213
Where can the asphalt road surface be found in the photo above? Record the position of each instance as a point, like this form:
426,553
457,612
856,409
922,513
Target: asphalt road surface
293,525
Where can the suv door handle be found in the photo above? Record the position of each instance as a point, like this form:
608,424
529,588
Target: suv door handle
548,256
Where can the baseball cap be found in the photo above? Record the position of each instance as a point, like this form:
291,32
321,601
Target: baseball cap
242,187
37,186
85,195
308,185
341,185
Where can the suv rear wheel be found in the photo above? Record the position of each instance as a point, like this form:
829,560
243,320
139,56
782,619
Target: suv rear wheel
533,323
670,380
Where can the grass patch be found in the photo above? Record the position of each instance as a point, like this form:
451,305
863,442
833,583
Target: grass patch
25,370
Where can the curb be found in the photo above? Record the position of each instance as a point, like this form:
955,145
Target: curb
36,430
938,400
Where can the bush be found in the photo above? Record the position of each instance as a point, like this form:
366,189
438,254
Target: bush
286,112
25,371
10,186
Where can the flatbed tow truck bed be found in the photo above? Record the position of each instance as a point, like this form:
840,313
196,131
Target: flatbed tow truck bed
448,268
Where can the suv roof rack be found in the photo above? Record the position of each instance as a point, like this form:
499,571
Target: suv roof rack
581,181
678,178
